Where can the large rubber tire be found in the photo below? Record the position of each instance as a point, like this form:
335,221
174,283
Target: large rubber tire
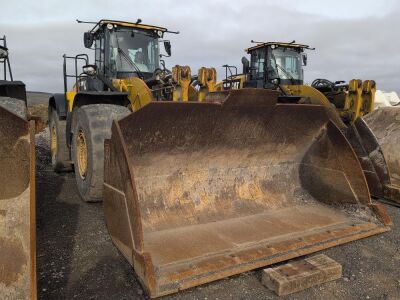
60,158
16,106
91,126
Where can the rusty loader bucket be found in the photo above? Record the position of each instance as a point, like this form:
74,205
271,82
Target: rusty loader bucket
17,207
347,116
385,125
195,192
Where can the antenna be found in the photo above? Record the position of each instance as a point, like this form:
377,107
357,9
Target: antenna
174,32
85,22
254,42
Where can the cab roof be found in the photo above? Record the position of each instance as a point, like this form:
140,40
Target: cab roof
127,24
282,44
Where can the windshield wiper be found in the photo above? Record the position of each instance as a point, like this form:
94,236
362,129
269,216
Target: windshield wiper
129,60
286,73
282,69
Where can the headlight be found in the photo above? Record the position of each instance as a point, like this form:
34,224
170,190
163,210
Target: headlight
159,33
89,70
3,53
110,26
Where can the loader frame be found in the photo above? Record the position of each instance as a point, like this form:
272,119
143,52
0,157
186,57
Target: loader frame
5,61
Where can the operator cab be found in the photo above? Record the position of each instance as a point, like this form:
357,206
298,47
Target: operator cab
131,52
273,64
124,50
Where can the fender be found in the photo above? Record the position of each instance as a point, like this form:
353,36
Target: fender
92,97
13,89
58,102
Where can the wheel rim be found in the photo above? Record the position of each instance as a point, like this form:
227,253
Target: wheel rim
81,153
53,143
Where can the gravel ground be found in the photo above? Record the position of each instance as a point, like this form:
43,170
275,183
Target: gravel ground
77,260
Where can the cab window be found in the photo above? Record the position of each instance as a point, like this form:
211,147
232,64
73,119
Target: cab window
258,63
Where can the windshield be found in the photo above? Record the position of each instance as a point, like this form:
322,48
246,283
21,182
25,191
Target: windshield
132,51
287,63
257,63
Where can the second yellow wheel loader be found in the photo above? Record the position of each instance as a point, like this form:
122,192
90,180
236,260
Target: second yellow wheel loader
279,66
198,186
17,188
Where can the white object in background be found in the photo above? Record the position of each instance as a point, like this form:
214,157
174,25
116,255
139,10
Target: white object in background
383,99
393,98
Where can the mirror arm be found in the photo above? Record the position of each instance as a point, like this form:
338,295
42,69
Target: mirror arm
162,62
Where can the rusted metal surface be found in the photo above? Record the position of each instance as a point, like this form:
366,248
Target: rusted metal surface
17,207
360,136
385,124
195,192
370,155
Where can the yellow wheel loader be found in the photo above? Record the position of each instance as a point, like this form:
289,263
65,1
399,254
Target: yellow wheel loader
127,74
17,188
279,66
199,185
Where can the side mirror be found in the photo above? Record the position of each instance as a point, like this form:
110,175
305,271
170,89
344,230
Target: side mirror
88,39
304,58
90,70
167,47
246,64
3,52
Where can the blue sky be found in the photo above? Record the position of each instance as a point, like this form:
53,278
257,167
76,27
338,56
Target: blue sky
353,39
